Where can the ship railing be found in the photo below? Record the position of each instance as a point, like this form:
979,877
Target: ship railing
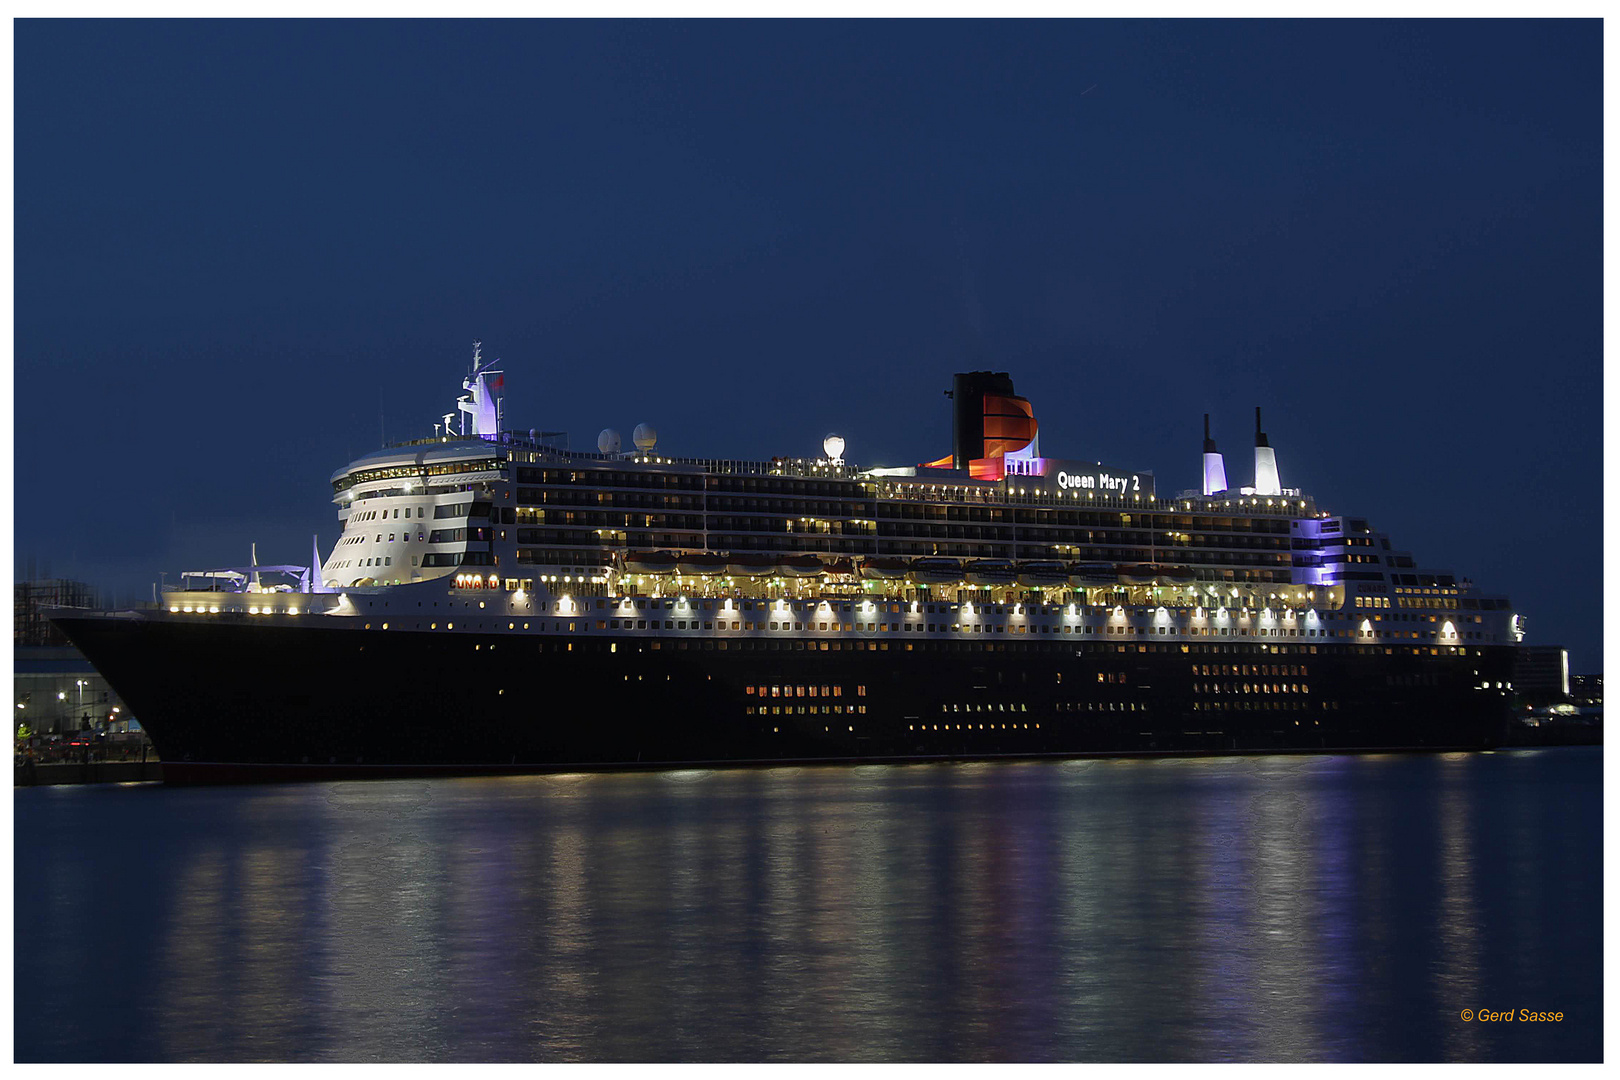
1247,505
505,438
775,467
807,468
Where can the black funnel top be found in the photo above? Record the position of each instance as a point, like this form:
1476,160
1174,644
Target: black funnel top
967,395
1209,443
1259,436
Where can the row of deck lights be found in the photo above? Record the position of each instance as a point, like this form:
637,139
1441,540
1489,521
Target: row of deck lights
867,607
1162,615
1190,590
1070,610
468,581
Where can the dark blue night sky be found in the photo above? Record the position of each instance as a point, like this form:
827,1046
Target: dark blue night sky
242,248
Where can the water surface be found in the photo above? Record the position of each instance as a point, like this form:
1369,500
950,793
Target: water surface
1340,908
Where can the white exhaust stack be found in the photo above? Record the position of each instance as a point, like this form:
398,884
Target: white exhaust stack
1214,466
1266,481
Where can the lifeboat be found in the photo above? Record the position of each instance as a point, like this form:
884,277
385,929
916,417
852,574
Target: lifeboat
751,566
1138,574
841,566
1041,574
1177,575
935,571
799,566
883,569
649,562
1093,574
700,564
990,572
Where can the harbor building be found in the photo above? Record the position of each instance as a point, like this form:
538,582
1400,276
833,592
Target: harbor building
1542,671
55,690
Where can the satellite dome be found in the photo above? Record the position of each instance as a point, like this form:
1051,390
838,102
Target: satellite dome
646,437
834,445
608,442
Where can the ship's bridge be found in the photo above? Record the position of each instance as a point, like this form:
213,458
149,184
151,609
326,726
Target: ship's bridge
420,462
417,510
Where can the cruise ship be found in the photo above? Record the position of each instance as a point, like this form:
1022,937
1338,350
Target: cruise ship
498,602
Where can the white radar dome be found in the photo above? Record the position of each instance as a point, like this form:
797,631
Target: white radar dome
608,442
646,437
834,445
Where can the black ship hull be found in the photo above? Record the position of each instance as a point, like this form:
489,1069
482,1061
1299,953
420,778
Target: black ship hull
234,700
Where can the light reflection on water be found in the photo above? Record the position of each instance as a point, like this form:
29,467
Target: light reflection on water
1267,908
